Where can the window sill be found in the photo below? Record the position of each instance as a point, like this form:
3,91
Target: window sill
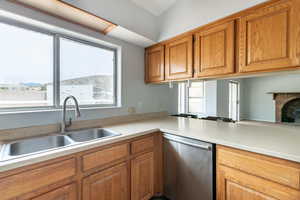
44,110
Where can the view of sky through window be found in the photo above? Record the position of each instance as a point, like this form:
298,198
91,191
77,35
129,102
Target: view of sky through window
27,58
86,70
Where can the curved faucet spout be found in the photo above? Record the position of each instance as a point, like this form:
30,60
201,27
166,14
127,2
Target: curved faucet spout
65,124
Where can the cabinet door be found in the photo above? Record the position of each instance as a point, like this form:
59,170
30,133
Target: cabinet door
142,177
268,38
235,185
214,51
154,63
179,59
110,184
64,193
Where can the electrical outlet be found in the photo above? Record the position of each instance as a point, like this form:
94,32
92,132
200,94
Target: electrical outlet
131,110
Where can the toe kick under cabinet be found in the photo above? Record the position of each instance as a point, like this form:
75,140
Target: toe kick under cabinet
127,170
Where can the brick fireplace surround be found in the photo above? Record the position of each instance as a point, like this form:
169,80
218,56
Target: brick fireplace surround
281,99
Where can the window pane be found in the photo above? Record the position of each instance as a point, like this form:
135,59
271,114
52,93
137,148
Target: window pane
26,68
86,72
196,89
196,105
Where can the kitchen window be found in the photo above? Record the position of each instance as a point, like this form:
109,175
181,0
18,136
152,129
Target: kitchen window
26,67
191,98
40,68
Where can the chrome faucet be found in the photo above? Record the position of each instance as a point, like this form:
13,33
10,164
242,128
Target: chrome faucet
65,124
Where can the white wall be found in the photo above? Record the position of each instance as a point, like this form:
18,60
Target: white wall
189,14
146,98
256,104
223,98
211,98
217,97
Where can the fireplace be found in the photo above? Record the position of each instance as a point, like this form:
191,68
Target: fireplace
287,107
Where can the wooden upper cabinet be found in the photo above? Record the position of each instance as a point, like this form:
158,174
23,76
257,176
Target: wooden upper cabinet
154,62
108,184
268,37
214,50
142,177
64,193
179,59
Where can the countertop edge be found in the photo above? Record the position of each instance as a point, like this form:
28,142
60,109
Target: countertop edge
65,151
166,125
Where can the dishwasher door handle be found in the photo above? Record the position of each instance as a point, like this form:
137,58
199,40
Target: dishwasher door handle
206,147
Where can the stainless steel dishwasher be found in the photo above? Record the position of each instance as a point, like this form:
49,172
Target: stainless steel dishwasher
188,169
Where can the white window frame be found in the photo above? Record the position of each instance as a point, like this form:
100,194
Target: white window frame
183,99
56,67
238,100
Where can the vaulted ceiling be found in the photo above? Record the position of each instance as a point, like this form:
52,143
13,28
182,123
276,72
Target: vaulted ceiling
155,7
145,22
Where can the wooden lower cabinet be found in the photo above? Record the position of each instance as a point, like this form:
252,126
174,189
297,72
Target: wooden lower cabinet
110,184
64,193
121,171
236,185
142,177
243,175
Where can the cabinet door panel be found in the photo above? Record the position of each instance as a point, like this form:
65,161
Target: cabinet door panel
65,193
214,50
154,60
110,184
267,38
179,59
142,177
239,192
236,185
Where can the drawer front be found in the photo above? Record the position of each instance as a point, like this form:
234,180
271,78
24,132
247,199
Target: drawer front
142,145
31,180
277,170
105,156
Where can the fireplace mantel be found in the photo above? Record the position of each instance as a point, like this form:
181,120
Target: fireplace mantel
281,98
282,93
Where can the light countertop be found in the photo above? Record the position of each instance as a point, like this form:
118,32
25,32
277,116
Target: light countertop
268,139
280,141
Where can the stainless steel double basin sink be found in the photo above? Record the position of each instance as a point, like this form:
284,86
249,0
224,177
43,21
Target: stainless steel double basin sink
40,144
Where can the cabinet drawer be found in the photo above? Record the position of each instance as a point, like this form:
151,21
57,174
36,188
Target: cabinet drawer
142,144
273,169
33,179
105,156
